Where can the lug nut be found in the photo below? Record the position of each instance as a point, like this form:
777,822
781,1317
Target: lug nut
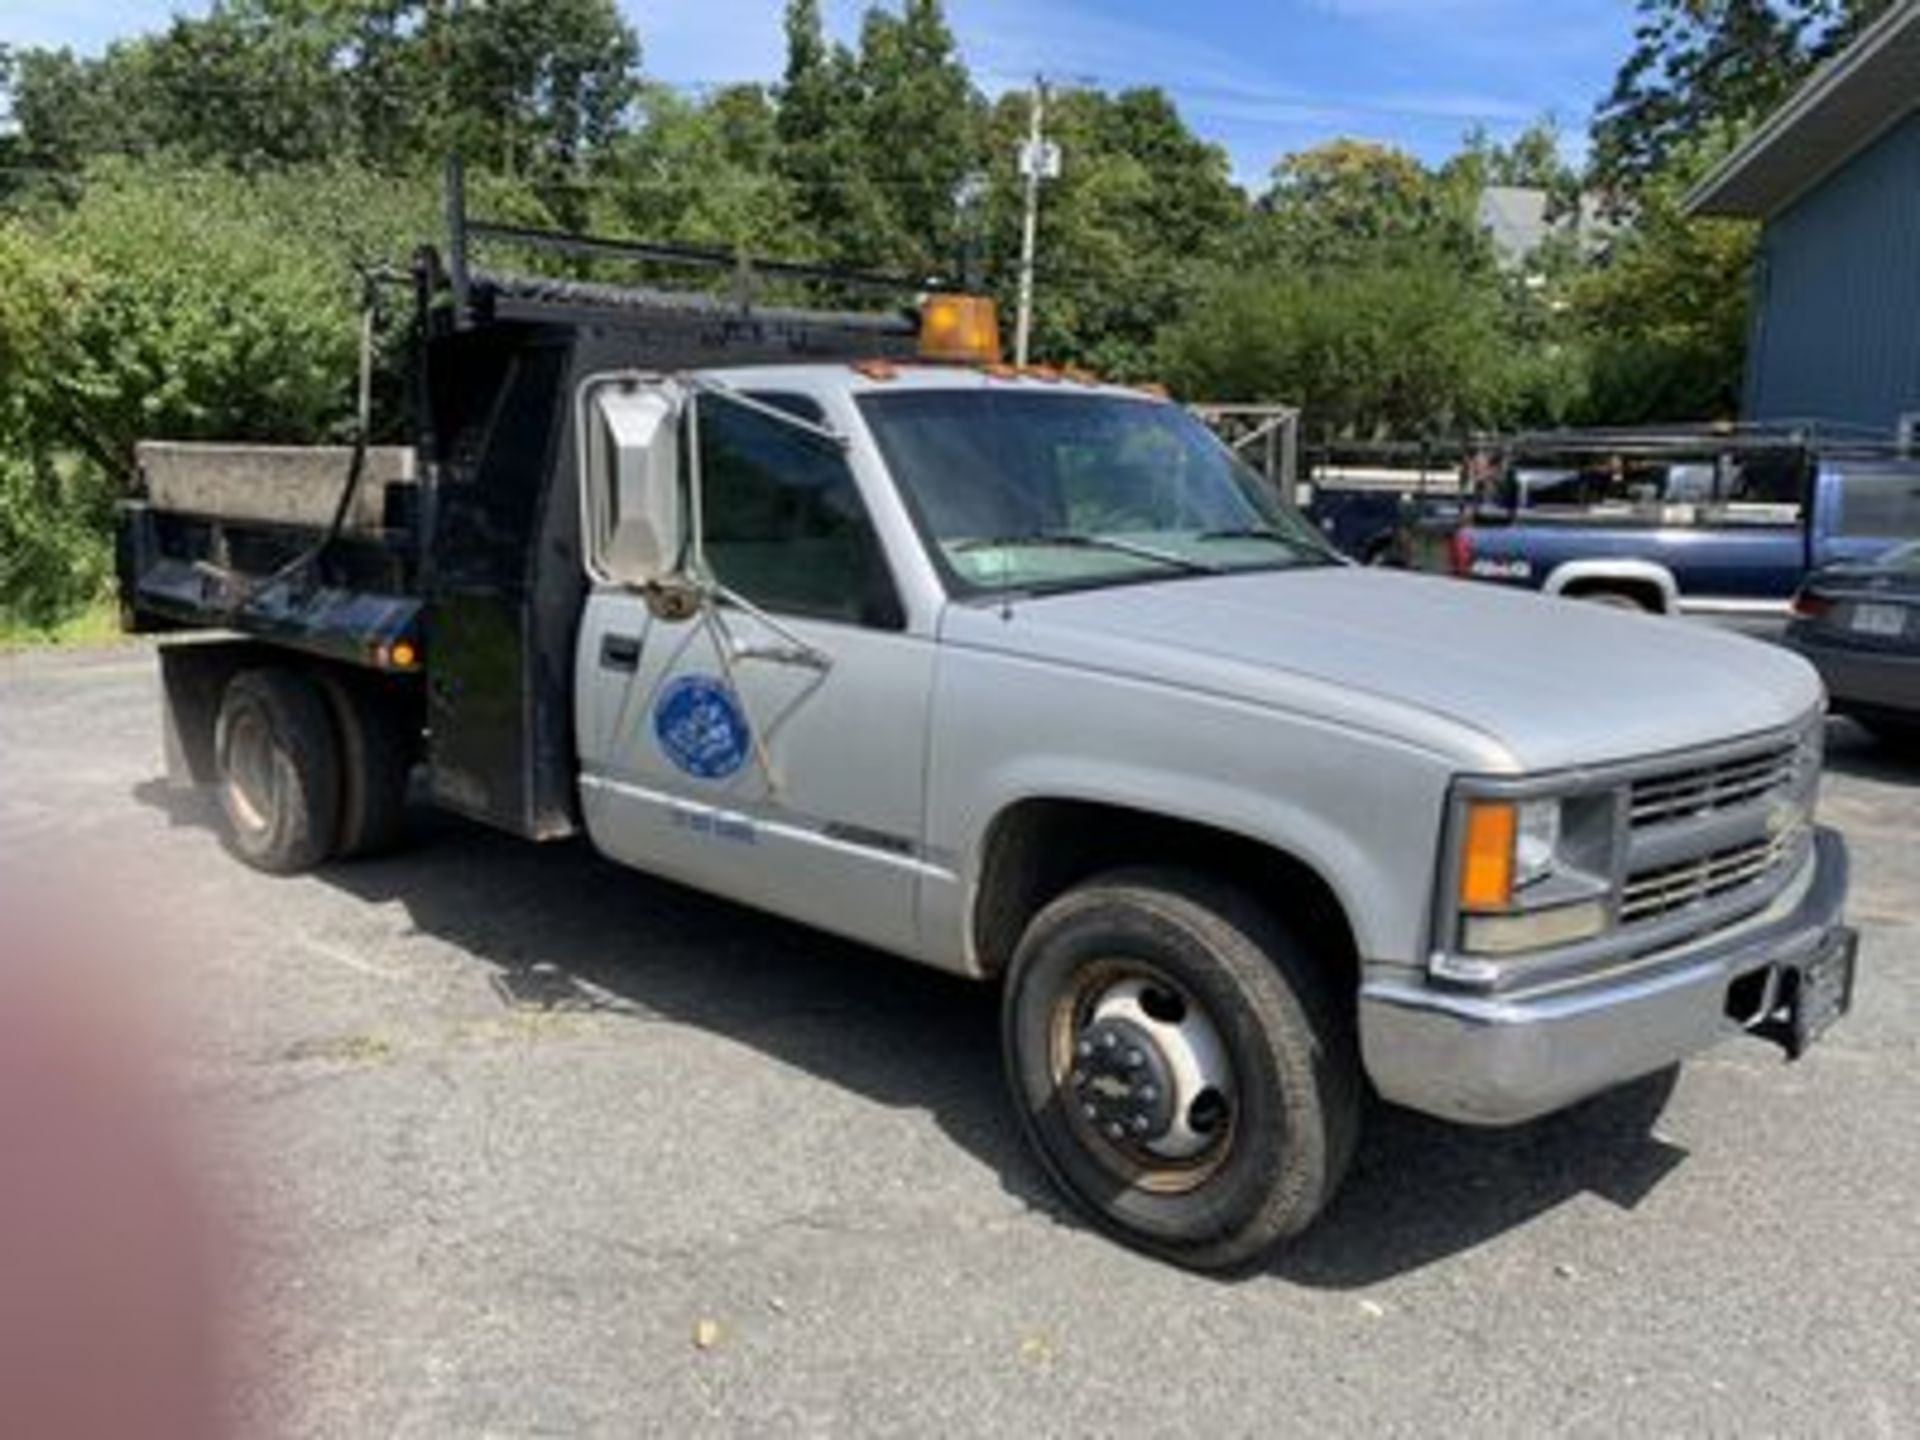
1148,1094
1089,1112
1084,1049
1115,1130
1107,1041
1135,1059
1140,1124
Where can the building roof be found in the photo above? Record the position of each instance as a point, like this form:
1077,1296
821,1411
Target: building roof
1515,219
1847,104
1519,219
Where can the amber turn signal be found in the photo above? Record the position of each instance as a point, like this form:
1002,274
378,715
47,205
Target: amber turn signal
397,655
1486,856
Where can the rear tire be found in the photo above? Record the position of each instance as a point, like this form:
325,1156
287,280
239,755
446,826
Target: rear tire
279,770
1213,989
375,762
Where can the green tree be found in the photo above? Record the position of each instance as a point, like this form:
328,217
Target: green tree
1354,199
176,303
822,156
704,173
530,86
523,86
1665,309
1700,65
1140,207
1532,160
1368,348
875,143
919,130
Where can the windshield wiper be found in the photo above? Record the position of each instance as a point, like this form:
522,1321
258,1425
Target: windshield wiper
1295,543
1253,532
1076,540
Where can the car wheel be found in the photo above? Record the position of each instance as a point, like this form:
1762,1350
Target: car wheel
1182,1066
279,770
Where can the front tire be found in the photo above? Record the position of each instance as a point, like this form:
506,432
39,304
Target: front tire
279,770
1182,1066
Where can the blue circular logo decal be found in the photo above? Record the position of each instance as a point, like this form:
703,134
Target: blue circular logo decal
700,726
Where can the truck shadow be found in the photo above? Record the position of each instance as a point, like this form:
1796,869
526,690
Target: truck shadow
1421,1190
560,928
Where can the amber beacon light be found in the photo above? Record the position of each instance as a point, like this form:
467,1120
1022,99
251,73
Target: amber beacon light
960,327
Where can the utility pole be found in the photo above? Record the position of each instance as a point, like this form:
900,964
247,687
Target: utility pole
1038,160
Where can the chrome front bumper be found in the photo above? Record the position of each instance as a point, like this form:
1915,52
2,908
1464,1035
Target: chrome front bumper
1499,1060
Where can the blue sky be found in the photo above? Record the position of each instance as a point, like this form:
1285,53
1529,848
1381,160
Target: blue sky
1260,77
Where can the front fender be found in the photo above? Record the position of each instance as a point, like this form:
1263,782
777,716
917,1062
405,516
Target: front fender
1360,810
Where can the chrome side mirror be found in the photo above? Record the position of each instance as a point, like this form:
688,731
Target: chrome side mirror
633,522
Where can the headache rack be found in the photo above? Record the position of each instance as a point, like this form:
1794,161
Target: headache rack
1669,442
480,295
453,563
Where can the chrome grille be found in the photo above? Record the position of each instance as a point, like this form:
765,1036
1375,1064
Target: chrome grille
1709,789
1661,891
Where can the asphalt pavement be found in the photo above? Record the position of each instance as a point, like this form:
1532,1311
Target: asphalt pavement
516,1142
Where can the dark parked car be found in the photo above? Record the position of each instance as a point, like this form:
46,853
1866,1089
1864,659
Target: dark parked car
1860,624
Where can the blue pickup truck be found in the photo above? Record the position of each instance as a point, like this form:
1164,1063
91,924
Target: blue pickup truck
1720,525
1370,497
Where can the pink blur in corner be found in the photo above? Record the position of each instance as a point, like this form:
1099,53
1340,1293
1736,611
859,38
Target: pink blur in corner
109,1309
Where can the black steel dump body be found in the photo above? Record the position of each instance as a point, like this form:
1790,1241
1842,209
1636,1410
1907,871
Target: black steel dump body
455,567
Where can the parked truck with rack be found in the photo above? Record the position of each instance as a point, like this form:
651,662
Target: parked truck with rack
1717,522
1020,676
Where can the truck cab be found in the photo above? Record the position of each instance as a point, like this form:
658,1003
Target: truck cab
1024,676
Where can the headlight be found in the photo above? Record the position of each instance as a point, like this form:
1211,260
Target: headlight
1536,841
1530,874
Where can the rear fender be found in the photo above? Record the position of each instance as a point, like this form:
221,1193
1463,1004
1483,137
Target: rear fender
1597,573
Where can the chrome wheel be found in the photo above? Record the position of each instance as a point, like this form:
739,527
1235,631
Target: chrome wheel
251,774
1144,1077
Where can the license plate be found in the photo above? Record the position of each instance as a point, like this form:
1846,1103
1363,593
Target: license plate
1825,990
1871,619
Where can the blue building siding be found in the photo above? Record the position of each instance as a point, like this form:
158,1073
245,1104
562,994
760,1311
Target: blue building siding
1836,332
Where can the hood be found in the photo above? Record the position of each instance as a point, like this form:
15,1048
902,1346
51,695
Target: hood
1496,679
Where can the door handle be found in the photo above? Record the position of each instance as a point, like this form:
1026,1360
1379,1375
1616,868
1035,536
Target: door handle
620,652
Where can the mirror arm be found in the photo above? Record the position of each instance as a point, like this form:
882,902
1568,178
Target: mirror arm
795,651
701,384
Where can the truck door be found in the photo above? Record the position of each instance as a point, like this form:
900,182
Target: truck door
772,752
1744,550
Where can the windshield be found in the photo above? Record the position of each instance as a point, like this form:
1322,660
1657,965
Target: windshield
1035,491
1902,560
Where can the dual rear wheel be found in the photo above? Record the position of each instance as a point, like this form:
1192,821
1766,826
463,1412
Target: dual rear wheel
311,766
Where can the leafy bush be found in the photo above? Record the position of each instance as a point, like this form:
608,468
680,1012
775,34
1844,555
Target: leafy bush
53,546
184,304
1404,346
